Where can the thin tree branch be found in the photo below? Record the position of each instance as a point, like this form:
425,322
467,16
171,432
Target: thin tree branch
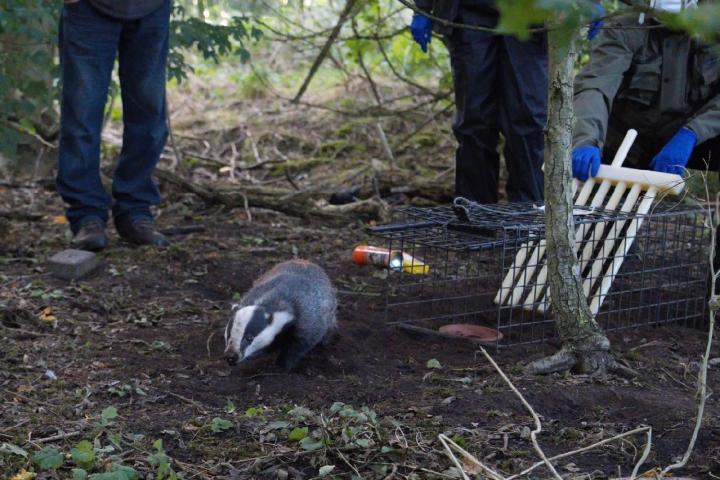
344,15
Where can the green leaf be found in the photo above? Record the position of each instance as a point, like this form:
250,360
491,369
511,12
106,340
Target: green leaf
230,407
279,425
518,16
120,472
325,471
253,411
108,415
363,442
13,449
309,444
128,473
48,458
297,434
460,441
336,407
433,363
79,474
218,425
83,455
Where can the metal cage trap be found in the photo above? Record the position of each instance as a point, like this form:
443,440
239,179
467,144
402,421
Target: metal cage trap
485,265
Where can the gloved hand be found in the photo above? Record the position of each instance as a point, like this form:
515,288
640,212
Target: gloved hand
585,160
675,154
596,24
421,29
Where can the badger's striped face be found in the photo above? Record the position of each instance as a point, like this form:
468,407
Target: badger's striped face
251,330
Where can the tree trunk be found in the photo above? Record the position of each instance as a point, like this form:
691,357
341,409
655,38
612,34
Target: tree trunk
585,346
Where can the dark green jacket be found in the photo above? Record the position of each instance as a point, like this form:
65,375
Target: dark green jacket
648,78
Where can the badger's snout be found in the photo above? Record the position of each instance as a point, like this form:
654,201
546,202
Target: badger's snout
232,358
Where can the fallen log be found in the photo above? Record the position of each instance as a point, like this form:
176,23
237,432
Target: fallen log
19,215
299,204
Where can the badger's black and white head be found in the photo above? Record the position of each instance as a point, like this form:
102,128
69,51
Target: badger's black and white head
251,330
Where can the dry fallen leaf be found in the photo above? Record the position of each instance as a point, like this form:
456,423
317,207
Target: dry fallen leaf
46,315
24,389
471,467
23,475
60,220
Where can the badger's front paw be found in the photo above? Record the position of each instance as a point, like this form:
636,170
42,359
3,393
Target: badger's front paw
287,362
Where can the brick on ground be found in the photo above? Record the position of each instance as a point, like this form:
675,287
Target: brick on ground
73,264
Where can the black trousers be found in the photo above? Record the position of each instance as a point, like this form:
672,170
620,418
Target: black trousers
501,85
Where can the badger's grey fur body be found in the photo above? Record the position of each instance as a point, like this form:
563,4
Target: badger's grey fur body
291,308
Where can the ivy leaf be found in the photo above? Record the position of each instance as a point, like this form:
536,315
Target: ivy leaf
48,458
310,445
219,425
230,407
108,415
83,455
118,472
79,474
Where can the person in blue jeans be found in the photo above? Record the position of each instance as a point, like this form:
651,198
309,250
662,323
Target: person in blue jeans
501,86
93,33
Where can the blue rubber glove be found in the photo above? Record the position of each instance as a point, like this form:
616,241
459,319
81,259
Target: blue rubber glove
597,24
585,160
421,29
675,154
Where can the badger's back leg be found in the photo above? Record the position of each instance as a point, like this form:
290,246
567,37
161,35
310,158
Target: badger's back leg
290,357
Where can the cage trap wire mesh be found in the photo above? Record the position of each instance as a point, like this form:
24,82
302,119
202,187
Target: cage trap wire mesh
487,266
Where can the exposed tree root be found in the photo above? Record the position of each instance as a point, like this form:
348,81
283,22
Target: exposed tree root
591,356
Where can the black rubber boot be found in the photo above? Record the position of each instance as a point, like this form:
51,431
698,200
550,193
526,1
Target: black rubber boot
90,236
141,232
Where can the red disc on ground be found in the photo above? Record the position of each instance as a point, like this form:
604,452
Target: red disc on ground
473,331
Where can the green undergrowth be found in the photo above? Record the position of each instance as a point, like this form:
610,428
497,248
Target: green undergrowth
261,439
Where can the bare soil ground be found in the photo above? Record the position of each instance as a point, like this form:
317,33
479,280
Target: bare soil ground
132,354
144,335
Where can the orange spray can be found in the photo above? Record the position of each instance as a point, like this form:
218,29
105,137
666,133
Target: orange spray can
394,260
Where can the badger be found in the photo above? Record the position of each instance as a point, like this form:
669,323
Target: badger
290,308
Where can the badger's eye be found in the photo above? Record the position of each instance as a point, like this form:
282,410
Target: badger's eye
249,338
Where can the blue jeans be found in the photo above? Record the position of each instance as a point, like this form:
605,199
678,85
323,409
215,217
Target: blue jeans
89,44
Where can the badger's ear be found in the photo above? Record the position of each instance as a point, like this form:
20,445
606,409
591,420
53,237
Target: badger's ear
235,307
